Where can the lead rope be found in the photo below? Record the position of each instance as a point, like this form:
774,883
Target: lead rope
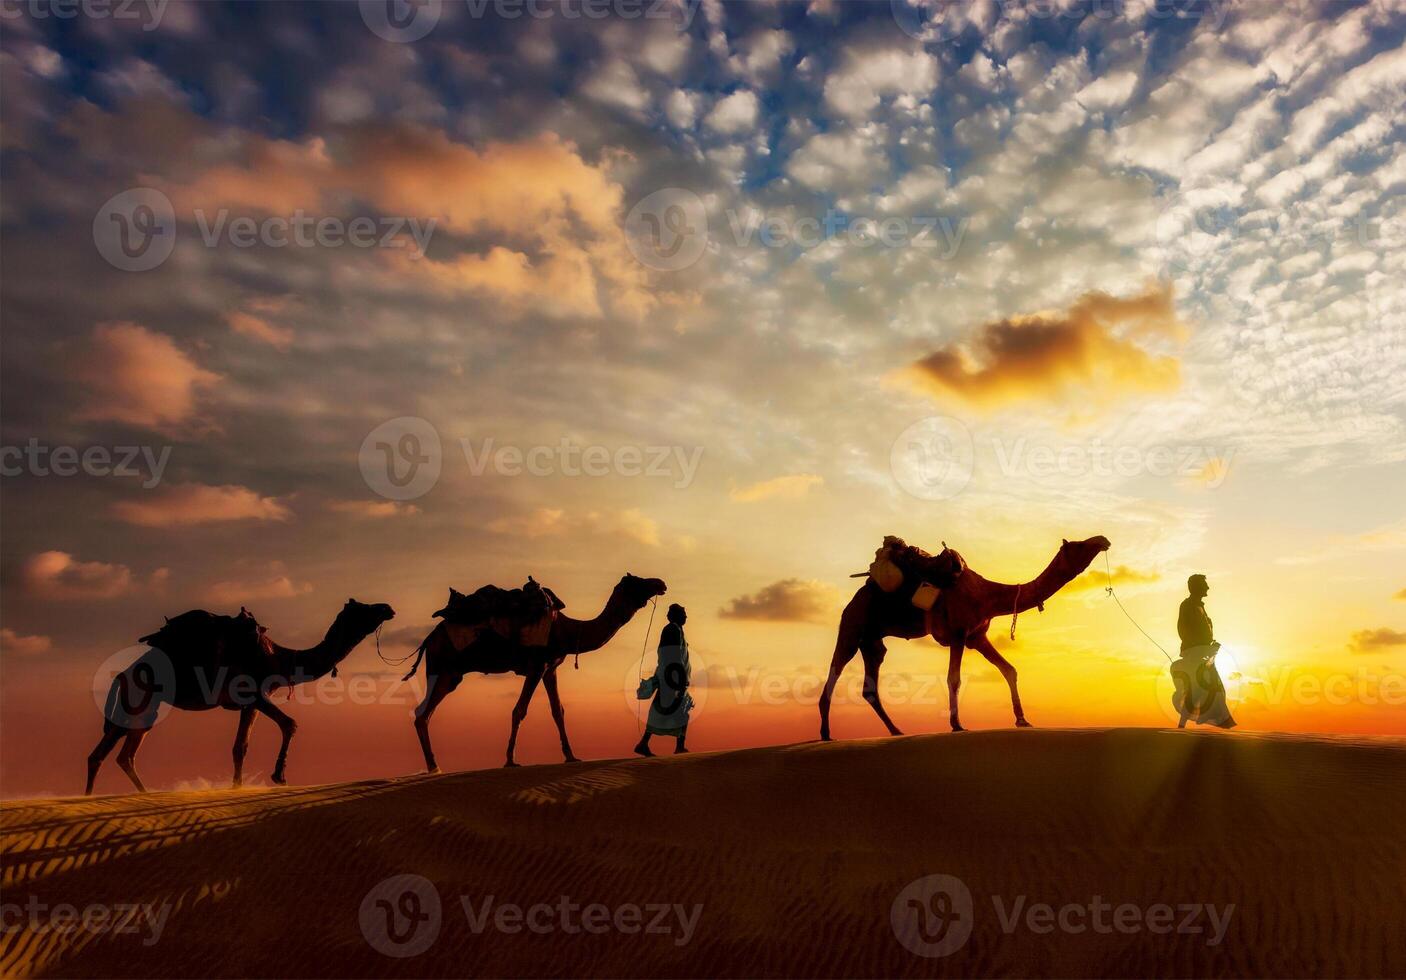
1015,612
648,630
1108,571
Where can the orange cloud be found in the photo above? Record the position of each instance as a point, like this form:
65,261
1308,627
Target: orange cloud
196,503
23,646
551,219
791,487
373,509
272,583
260,329
1090,350
134,375
58,575
789,600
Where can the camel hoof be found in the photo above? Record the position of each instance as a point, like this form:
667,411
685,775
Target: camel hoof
571,758
1022,723
957,728
279,779
510,764
432,771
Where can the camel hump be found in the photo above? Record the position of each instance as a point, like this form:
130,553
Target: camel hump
519,615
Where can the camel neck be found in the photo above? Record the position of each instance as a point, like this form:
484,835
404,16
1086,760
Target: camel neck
316,661
585,635
1003,599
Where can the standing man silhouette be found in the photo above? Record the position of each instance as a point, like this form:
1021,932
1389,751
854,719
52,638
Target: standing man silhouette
668,712
1200,693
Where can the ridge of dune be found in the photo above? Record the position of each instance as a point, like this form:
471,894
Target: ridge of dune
795,857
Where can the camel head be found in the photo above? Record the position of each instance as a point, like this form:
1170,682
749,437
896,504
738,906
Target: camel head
1080,554
364,618
637,591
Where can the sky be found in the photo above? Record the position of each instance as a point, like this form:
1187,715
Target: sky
310,301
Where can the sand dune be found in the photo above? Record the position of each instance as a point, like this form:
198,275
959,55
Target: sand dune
793,860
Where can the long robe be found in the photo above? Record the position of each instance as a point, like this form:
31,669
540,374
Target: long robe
668,712
1200,693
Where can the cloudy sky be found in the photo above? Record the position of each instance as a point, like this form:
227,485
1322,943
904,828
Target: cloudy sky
372,299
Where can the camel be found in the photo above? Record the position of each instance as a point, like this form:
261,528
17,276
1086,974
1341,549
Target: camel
959,620
213,670
445,666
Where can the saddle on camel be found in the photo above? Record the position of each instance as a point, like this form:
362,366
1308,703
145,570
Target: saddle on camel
237,641
910,574
502,618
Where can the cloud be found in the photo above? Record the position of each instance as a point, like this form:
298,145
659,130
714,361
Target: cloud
1089,352
271,583
551,521
735,113
549,219
23,646
1401,594
789,600
1367,641
791,487
196,503
869,72
260,329
58,575
134,375
372,509
1097,578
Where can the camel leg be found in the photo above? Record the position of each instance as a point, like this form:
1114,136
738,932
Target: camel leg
845,648
287,726
529,687
241,743
441,686
127,758
111,736
987,649
549,682
873,659
954,682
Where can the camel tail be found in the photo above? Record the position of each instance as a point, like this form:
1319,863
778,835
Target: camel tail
419,655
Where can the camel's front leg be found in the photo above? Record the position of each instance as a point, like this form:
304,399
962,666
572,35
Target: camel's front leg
529,687
287,726
241,743
954,682
549,681
987,649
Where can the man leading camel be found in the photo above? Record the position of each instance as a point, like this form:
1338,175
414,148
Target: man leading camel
1200,693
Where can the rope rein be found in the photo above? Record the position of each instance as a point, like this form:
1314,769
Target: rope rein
386,660
1108,571
1015,611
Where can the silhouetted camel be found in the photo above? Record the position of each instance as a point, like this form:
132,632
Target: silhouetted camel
214,668
960,619
445,666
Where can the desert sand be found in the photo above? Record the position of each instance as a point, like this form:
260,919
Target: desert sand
786,860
